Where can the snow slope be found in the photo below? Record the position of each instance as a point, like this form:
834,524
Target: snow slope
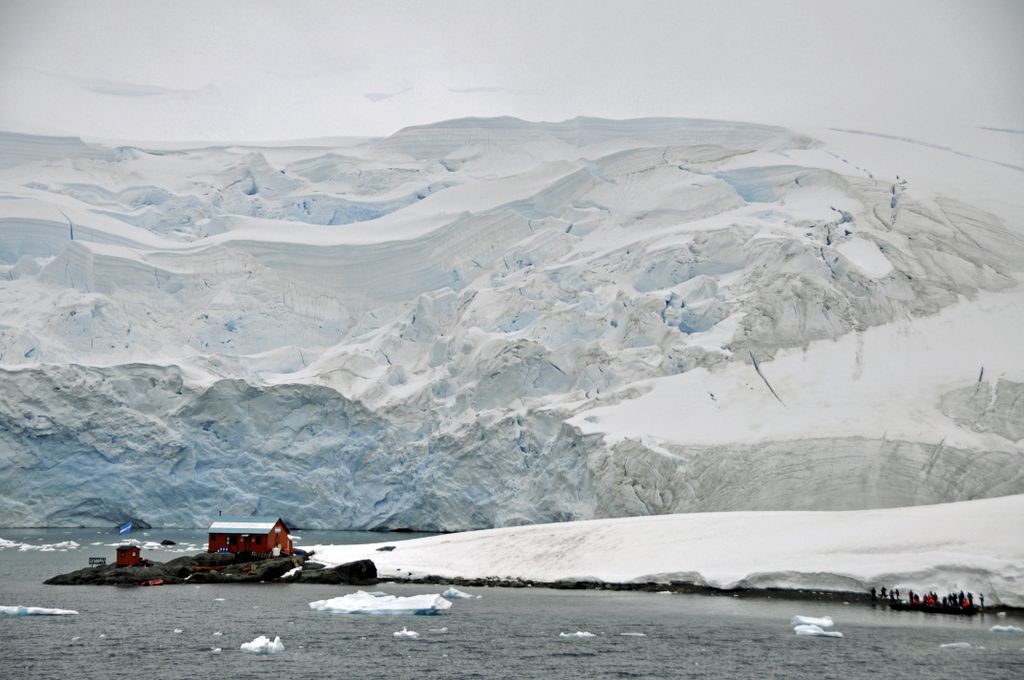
491,322
975,546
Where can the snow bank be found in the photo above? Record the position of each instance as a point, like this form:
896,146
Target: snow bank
362,602
816,631
35,611
824,621
454,593
263,645
406,634
967,545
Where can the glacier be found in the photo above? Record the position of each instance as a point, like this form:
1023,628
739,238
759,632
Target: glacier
493,322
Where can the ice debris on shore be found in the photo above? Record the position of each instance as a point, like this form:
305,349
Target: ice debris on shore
822,621
263,645
1007,630
35,611
406,634
577,634
816,631
456,594
361,602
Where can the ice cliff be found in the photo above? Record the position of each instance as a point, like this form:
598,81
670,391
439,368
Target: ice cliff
490,322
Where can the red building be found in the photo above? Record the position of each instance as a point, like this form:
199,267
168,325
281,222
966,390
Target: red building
250,534
128,555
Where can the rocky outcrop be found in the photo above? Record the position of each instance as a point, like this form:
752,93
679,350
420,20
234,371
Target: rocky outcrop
219,568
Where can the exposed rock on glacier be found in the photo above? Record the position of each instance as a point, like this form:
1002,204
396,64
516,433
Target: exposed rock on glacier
493,322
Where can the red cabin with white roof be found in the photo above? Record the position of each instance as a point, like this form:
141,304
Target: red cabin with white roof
250,535
128,555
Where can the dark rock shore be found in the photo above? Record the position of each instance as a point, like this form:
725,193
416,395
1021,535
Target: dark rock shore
220,568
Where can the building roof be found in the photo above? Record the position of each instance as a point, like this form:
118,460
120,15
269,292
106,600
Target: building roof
243,525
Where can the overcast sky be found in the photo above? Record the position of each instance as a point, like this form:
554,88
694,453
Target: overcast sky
289,70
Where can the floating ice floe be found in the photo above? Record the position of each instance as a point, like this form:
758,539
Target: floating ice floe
577,634
956,645
41,547
361,602
1007,630
218,634
218,599
178,630
263,645
823,621
215,650
35,611
633,634
815,631
456,594
406,634
438,630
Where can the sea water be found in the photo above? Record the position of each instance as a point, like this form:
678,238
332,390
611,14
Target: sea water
507,633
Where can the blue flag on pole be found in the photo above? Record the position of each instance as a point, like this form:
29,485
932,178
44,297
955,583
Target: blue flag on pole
124,528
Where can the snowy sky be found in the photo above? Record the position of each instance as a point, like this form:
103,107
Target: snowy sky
288,70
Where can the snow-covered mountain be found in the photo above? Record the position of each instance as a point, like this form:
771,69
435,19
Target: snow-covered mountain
490,322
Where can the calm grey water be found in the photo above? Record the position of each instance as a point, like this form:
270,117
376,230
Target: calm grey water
508,633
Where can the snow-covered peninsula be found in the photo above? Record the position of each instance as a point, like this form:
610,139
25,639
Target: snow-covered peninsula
973,546
492,322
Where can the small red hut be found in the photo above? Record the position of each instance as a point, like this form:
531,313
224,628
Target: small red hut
128,555
250,534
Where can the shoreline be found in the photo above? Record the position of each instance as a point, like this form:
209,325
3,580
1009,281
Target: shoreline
683,588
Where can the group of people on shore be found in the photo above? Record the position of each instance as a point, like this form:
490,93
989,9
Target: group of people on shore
931,599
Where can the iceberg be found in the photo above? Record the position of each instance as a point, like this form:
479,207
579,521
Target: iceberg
406,634
456,594
1007,630
35,611
361,602
263,645
816,631
823,621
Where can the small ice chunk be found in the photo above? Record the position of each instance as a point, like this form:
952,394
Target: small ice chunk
406,634
290,573
633,634
456,594
816,631
956,645
361,602
217,634
178,630
1001,615
263,645
218,599
438,630
577,634
1007,630
214,650
35,611
823,621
